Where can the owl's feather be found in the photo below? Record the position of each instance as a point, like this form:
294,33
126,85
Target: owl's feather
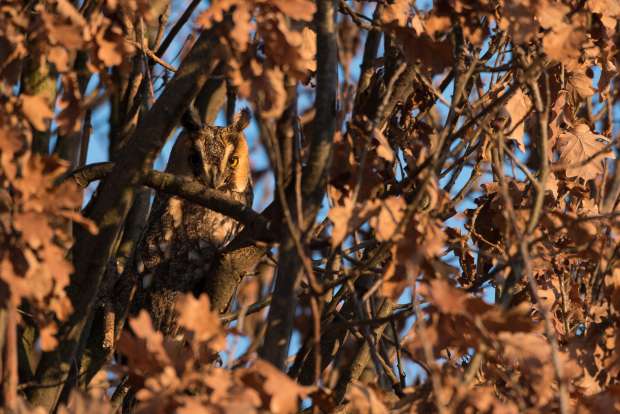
182,239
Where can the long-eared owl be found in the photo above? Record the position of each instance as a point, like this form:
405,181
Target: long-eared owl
182,239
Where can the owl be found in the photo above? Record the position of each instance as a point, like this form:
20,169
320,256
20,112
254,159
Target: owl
182,239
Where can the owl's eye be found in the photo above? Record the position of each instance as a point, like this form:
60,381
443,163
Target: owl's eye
233,161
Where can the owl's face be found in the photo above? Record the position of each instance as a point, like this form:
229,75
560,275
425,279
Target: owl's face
219,157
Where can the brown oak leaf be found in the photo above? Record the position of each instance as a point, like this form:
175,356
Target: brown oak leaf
37,110
578,145
396,13
579,83
281,392
195,315
517,108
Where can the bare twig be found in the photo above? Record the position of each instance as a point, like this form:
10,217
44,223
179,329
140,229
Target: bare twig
148,52
177,27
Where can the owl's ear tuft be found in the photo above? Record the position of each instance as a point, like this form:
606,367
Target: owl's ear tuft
241,120
191,120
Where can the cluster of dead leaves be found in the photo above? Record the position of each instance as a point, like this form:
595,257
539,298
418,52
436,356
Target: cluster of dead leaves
180,374
571,243
516,355
482,357
359,194
36,211
421,38
55,38
565,32
270,40
58,32
581,151
35,225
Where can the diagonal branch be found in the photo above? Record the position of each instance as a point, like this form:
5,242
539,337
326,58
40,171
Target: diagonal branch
188,189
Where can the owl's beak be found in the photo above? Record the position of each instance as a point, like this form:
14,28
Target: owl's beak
211,176
221,179
214,177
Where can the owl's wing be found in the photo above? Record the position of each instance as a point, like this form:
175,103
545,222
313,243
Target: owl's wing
179,249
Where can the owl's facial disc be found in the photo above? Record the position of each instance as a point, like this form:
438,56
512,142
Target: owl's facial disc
219,157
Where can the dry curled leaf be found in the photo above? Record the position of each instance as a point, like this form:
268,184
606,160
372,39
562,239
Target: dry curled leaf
281,392
517,108
579,83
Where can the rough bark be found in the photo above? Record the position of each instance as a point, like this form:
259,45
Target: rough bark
282,310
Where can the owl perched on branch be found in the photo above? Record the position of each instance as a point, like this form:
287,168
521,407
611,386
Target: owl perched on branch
182,239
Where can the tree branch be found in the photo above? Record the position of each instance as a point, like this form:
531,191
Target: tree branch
188,189
314,177
325,103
